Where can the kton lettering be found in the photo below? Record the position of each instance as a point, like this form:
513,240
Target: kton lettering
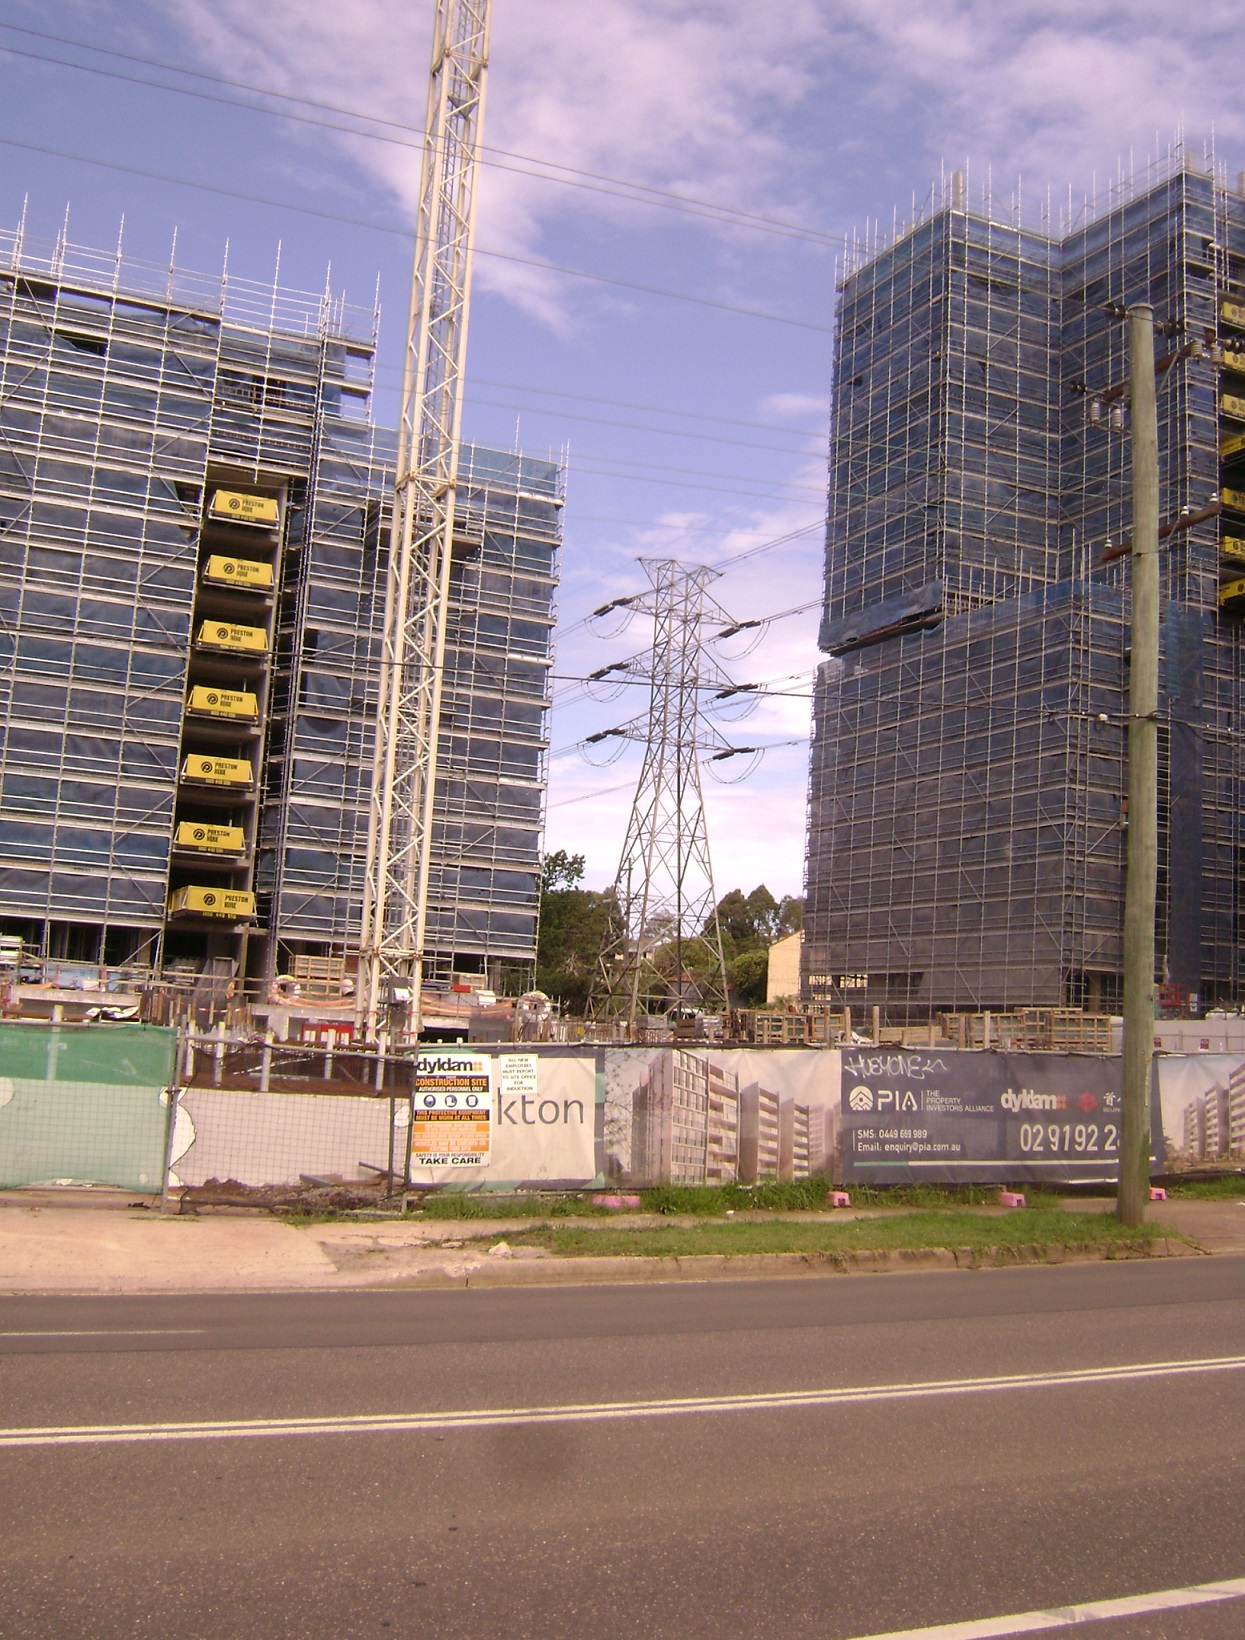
548,1111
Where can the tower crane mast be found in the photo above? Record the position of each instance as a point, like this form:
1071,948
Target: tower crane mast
404,772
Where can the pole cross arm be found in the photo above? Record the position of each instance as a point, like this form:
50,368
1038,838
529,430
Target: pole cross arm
1173,526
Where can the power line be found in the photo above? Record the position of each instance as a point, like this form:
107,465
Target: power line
764,546
637,426
693,472
401,233
572,176
627,404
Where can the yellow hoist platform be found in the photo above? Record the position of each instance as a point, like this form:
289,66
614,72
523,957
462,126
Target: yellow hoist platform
1231,592
1232,312
240,508
218,771
1235,499
250,640
238,704
209,839
238,572
231,903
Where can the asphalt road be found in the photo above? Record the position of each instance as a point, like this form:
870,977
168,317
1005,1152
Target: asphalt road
813,1515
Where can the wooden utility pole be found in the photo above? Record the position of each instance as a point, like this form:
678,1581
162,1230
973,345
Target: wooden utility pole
1141,883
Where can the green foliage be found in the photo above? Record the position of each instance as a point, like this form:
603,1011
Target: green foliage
1231,1187
1049,1228
560,870
749,977
750,924
775,1195
575,924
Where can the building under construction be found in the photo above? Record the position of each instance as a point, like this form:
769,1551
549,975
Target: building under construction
194,525
968,804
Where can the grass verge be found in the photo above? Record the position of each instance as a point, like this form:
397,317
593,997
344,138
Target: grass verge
1223,1189
1045,1227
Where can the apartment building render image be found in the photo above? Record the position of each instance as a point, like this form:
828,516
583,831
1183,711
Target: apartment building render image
967,799
194,516
692,1123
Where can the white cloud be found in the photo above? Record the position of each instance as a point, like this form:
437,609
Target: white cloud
667,95
1055,90
813,409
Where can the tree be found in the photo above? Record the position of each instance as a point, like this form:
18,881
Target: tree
757,919
750,924
749,977
560,870
574,926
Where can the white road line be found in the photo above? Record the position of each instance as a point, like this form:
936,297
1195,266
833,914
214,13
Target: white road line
602,1411
106,1332
1062,1617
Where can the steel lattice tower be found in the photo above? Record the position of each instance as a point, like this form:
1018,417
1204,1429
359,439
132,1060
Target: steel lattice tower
664,887
395,909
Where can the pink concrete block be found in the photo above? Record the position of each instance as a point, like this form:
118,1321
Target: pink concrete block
616,1202
839,1198
1157,1194
1011,1198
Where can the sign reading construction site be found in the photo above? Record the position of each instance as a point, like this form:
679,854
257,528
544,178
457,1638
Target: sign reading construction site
955,1117
452,1110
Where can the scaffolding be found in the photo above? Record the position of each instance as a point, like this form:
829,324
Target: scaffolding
194,513
967,792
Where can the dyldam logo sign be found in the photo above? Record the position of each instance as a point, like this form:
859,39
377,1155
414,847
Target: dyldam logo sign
1026,1099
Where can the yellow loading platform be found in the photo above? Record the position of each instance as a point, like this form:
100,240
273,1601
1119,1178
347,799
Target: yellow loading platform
209,839
1232,312
218,771
238,572
1235,499
221,635
239,508
230,903
238,705
1233,546
1230,591
1232,445
1231,405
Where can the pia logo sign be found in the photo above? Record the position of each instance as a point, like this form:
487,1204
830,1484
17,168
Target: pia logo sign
861,1099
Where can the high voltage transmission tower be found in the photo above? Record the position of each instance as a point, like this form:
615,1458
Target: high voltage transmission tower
664,888
404,774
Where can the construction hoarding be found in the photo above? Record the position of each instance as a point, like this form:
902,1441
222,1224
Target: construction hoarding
84,1104
961,1117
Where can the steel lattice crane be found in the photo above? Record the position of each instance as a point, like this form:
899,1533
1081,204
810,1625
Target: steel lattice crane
404,774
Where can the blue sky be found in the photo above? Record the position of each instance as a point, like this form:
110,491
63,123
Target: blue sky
692,430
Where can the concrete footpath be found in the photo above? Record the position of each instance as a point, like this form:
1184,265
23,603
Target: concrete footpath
105,1242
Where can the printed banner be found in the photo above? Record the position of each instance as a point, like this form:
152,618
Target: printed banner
1203,1103
541,1117
952,1116
718,1116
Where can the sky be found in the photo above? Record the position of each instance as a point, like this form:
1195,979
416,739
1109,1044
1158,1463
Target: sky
666,195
